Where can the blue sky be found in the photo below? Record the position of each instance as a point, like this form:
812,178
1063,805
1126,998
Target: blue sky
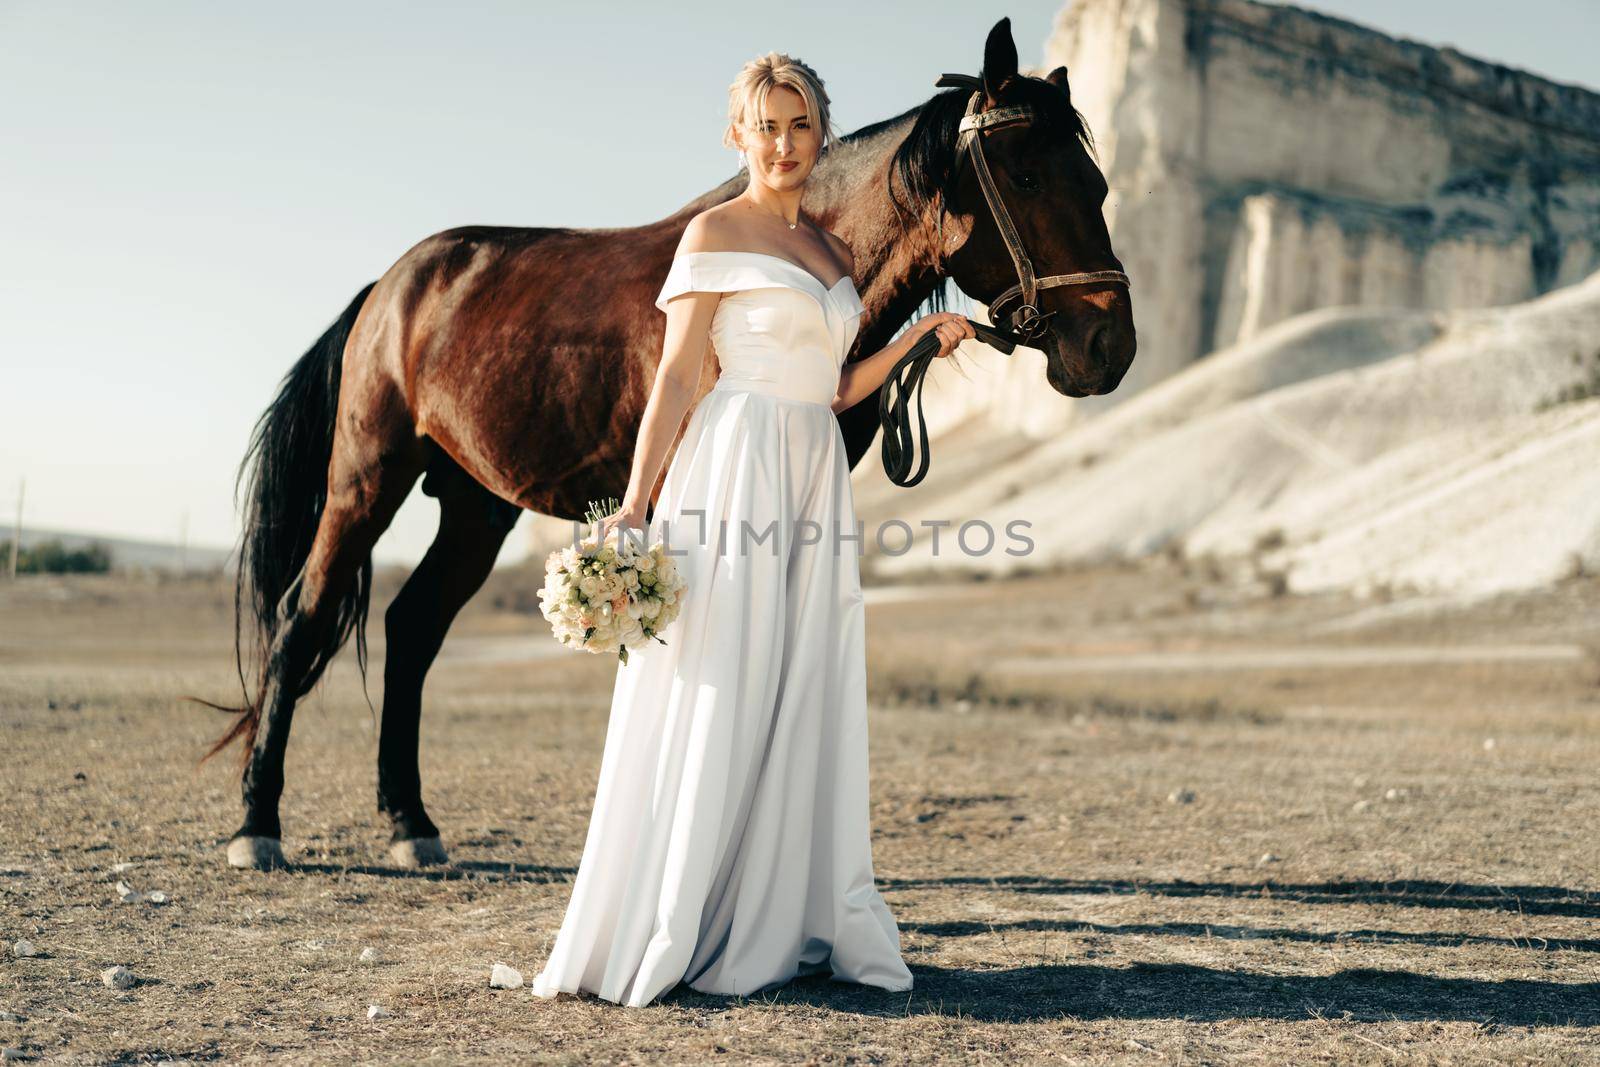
191,191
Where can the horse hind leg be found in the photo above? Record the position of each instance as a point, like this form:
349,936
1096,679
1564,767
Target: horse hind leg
473,524
362,501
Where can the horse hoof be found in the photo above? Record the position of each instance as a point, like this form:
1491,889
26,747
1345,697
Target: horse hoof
255,853
419,852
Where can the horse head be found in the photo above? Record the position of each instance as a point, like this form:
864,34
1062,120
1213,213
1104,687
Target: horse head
1023,196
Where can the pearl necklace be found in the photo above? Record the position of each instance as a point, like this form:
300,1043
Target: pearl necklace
792,225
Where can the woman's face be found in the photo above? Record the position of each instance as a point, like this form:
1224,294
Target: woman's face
782,148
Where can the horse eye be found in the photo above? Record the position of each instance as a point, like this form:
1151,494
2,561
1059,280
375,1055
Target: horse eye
1025,181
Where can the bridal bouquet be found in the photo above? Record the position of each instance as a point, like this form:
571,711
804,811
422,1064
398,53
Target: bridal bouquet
610,597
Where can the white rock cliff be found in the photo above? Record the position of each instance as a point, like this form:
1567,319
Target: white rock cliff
1265,161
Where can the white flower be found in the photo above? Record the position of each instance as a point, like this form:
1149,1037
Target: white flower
583,586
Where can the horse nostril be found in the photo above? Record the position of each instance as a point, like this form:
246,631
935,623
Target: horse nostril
1127,345
1096,347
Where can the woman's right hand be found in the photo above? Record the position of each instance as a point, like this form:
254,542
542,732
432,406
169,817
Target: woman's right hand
627,517
951,327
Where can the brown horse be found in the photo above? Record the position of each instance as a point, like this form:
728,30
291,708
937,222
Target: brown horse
509,368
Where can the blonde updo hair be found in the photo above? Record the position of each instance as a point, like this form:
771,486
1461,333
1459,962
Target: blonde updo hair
747,96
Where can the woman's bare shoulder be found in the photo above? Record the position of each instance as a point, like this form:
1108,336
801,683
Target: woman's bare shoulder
712,230
842,250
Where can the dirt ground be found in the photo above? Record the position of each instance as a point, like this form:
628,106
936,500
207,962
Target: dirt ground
1121,815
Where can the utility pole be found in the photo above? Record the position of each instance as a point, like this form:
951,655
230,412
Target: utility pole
183,543
16,529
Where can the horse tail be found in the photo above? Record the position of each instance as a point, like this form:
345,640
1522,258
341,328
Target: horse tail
285,474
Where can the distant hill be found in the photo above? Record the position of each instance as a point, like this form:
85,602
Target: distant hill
1442,452
126,553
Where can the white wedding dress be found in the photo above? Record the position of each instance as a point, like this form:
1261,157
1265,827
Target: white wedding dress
729,845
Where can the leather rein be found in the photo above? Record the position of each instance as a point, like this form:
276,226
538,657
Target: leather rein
1025,322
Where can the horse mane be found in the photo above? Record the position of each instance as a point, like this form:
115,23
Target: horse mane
923,165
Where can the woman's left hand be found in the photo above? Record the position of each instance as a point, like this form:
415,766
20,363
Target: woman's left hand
951,329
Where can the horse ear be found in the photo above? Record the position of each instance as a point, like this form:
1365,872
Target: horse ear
999,59
1058,78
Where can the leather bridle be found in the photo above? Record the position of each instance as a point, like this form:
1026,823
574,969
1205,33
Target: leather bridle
1025,318
1027,323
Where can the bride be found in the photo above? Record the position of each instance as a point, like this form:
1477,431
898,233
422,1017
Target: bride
729,846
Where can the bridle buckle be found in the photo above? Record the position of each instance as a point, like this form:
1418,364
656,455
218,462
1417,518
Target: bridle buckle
1029,321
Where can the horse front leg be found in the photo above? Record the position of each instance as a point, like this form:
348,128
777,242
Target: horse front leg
473,524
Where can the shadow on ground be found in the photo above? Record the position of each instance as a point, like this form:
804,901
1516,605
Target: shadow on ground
1200,994
1522,899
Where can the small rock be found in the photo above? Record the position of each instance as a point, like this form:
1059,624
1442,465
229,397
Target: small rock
1360,806
369,955
1488,744
1180,796
118,978
503,977
8,1054
12,1017
1266,858
25,950
1396,794
1359,781
378,1011
129,895
122,868
157,897
315,946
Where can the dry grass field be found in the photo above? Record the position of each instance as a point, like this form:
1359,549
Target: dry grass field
1122,815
